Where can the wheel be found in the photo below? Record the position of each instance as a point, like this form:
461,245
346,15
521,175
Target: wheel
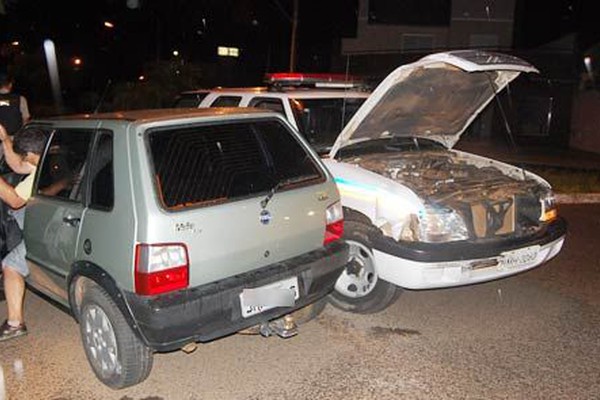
359,289
117,356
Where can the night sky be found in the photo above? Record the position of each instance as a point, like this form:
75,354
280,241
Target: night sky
151,30
194,28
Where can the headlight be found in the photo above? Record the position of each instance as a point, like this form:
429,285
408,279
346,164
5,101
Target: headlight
548,207
438,224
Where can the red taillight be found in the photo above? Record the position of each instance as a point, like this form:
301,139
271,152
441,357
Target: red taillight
334,228
161,268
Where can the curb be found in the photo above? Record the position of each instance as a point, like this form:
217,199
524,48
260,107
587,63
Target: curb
577,198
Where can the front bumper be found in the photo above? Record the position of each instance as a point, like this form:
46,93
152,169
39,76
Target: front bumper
429,266
168,322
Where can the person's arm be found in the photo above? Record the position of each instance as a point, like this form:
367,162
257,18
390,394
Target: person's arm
10,196
14,161
24,107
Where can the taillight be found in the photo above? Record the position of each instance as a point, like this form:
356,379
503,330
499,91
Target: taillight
334,228
160,268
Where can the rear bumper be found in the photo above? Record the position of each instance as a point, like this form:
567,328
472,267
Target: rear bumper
167,322
428,266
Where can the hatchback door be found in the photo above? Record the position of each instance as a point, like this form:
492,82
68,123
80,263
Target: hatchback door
240,195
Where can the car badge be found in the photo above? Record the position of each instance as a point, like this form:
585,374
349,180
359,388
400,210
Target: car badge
322,196
265,217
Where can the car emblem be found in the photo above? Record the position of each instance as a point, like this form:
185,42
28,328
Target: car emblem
265,217
322,196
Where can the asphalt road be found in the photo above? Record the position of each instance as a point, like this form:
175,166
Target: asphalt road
531,336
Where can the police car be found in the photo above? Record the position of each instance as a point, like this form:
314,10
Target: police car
419,214
317,105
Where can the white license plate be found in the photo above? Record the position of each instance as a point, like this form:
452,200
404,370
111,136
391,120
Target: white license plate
277,294
520,257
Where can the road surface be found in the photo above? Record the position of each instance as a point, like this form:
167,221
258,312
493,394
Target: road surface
531,336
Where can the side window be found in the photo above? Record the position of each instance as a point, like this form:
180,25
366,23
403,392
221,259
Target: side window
101,174
64,164
189,100
269,104
226,101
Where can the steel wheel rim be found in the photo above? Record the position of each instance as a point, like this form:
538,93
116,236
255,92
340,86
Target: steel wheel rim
101,342
359,278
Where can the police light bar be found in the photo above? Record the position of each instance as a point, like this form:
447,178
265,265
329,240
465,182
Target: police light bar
338,81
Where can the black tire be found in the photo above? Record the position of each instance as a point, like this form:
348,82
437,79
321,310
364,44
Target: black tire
358,289
107,337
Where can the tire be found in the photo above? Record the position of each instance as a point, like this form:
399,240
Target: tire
117,356
359,289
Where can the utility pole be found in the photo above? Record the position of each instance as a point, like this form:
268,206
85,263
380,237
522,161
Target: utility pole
293,41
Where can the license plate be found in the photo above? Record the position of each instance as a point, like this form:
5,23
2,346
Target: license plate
517,258
283,293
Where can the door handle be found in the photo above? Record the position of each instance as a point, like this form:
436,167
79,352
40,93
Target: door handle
70,220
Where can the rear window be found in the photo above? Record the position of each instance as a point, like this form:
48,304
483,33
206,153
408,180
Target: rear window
208,164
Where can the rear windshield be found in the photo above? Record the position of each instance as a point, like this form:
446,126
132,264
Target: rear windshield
322,120
208,164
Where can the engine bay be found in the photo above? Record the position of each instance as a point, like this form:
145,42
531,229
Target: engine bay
492,202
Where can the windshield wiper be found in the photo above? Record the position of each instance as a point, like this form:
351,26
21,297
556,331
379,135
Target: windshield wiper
274,189
285,182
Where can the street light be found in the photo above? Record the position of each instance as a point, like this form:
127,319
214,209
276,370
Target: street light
50,52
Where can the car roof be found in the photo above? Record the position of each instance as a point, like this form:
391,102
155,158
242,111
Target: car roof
163,114
281,92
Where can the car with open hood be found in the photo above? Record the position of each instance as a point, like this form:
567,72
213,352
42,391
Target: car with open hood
420,214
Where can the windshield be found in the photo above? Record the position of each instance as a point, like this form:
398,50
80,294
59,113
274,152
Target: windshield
320,121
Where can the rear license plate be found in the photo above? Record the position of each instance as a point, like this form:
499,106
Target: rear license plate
520,257
283,293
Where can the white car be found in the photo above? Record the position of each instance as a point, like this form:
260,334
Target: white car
420,215
317,105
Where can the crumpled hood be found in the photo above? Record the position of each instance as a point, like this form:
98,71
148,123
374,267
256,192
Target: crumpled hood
436,97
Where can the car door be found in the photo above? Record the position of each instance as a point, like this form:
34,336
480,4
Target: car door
54,213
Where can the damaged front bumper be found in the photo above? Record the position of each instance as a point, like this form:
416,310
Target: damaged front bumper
415,265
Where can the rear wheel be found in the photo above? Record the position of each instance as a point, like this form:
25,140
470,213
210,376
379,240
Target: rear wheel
359,289
117,356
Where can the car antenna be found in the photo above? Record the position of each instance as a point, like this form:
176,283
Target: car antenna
104,93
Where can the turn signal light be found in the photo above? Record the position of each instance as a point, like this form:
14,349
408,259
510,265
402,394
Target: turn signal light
334,228
161,268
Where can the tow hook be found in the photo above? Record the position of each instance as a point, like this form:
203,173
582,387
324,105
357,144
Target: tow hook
283,327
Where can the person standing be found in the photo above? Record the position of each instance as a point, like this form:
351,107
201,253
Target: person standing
27,147
14,109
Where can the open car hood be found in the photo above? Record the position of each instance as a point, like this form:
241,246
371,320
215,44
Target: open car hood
436,97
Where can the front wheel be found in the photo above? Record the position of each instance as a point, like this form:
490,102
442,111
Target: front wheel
359,289
117,356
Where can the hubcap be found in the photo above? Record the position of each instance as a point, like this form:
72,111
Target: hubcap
359,277
101,342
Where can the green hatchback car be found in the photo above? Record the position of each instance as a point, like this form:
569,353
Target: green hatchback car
178,227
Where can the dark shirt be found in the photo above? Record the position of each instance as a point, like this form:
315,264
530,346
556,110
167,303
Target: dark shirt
10,112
